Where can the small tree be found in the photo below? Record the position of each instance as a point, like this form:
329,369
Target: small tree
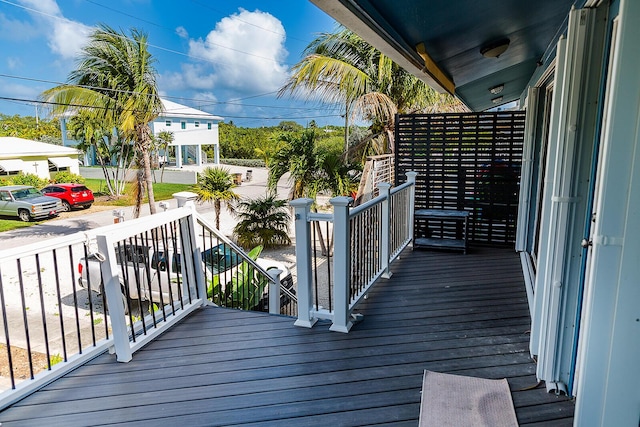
263,221
162,142
215,185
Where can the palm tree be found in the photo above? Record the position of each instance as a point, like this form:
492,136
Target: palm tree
215,185
105,142
162,142
264,221
311,169
342,68
115,80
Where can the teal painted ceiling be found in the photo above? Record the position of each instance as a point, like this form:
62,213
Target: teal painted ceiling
455,31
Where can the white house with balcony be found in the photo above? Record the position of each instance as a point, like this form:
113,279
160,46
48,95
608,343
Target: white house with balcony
191,129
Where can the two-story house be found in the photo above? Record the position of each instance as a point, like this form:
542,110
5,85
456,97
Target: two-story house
191,129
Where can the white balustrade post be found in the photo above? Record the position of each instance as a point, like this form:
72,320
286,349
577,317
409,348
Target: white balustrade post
274,291
194,270
385,190
109,270
303,261
411,177
341,264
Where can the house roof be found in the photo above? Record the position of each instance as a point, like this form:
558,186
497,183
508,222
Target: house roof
12,147
441,41
173,109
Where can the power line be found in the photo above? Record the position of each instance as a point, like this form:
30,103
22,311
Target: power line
199,102
51,103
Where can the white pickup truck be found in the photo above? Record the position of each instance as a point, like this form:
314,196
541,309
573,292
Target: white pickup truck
155,274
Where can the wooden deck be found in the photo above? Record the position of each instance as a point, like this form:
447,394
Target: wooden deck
442,311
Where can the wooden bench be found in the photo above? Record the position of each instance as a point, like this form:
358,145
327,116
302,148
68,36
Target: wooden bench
443,215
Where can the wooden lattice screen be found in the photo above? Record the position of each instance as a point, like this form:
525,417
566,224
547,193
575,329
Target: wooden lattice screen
465,161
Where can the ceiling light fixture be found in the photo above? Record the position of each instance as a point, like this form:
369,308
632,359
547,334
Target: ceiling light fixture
494,50
497,100
496,89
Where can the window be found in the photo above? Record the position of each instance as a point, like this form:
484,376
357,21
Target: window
183,125
197,124
209,126
167,123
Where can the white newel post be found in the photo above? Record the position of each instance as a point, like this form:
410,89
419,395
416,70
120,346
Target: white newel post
411,177
303,261
274,291
385,190
109,270
341,262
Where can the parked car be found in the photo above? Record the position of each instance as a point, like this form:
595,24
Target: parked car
155,274
27,203
71,195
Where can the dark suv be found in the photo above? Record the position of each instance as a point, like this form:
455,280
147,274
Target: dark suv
71,195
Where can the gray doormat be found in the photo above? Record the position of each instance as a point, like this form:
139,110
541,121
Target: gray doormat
454,400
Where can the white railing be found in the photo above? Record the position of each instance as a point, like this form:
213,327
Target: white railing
48,315
150,272
377,170
366,239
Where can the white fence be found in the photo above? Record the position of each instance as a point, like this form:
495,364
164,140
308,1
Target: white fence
150,272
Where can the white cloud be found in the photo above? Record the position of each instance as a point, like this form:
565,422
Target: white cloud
13,29
49,7
244,52
65,37
182,32
13,63
68,38
20,91
206,97
233,108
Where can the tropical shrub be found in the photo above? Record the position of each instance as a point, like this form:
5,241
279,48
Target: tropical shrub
247,163
244,290
66,176
263,221
29,179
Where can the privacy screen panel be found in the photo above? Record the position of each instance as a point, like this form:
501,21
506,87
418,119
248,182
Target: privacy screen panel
465,161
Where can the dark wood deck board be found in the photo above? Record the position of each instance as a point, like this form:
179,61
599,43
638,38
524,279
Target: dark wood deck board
447,312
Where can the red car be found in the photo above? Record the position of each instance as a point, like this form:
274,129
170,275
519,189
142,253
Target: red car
72,195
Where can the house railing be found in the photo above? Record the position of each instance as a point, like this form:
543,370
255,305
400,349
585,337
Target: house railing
377,169
366,239
144,275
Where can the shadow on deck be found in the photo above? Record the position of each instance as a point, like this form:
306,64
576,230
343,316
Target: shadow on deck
446,312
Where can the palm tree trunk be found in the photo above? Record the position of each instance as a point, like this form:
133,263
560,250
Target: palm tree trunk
216,205
144,134
148,177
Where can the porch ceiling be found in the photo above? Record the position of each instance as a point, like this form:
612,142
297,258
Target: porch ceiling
454,32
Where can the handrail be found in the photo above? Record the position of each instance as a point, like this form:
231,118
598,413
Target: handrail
235,247
42,286
378,229
367,205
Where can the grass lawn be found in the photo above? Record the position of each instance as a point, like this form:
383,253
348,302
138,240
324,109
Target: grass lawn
161,191
12,224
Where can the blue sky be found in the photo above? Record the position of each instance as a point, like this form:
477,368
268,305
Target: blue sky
225,57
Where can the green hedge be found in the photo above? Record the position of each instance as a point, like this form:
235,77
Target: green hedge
249,163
